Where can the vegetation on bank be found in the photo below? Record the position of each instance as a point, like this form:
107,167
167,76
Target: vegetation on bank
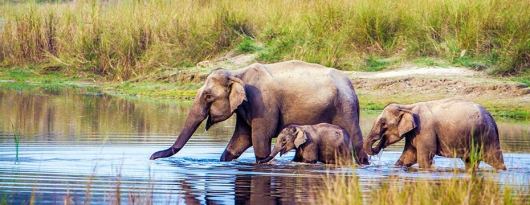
473,191
31,78
124,39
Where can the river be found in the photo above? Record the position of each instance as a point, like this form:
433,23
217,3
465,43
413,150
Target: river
82,146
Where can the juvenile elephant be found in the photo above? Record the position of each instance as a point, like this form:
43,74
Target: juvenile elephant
448,127
322,142
265,98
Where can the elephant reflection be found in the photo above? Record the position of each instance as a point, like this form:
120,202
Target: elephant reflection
255,189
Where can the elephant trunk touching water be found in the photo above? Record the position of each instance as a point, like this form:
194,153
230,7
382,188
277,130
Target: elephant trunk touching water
196,115
265,98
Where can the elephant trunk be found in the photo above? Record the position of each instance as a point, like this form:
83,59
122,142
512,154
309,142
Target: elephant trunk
196,115
192,123
274,152
370,142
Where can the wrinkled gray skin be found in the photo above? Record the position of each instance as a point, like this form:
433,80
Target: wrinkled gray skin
265,98
443,127
323,142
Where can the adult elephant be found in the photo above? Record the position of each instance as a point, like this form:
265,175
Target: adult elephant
265,98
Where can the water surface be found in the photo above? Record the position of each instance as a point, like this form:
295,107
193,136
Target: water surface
88,147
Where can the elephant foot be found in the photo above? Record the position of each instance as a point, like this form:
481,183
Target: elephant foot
227,156
263,161
400,163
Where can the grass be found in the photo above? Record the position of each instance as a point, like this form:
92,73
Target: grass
524,78
341,189
248,45
506,111
28,78
120,40
16,137
33,79
157,90
473,191
375,64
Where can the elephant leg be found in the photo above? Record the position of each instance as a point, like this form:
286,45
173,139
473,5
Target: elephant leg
310,157
495,159
239,142
425,158
408,157
297,157
354,131
263,129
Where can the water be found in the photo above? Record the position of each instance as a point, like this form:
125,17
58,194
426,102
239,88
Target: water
72,144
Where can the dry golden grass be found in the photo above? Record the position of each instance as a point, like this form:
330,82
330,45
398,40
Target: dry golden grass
476,190
123,39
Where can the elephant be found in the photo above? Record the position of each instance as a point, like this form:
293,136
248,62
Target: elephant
322,142
265,98
447,127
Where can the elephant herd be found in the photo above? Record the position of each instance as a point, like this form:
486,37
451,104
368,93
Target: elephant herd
315,110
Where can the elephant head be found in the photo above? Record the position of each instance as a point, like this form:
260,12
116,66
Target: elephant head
289,138
217,100
390,127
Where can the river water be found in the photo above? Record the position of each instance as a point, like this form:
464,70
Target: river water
84,147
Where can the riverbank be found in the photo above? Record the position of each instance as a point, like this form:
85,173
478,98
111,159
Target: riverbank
506,98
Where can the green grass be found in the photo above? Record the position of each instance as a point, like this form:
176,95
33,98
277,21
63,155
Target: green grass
507,111
155,90
34,78
426,61
373,64
121,40
524,78
248,45
16,138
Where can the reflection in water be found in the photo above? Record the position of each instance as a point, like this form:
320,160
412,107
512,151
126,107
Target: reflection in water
80,147
74,117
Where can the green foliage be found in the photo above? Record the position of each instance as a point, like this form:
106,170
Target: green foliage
469,62
31,78
523,78
248,45
426,61
125,39
375,64
156,90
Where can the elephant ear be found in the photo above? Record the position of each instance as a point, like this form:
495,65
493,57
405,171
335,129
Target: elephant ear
301,138
237,93
407,123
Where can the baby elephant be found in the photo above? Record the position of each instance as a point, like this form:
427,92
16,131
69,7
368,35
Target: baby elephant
322,142
449,128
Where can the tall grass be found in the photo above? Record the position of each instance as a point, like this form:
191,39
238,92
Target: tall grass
123,39
395,191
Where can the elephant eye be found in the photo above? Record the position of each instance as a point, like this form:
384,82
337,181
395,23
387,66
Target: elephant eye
209,97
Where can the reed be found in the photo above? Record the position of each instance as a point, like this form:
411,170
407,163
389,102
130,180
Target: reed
124,39
474,190
16,137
